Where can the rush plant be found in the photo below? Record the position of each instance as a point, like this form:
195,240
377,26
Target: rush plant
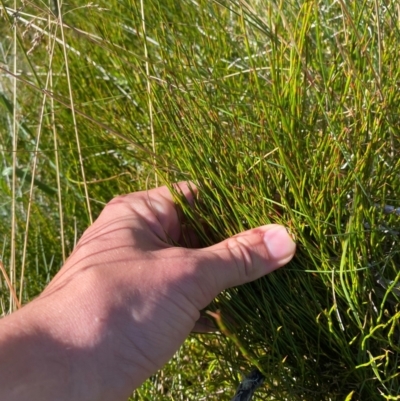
280,112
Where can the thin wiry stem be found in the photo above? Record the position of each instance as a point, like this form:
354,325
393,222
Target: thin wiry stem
150,102
34,166
75,125
10,286
14,167
56,153
379,34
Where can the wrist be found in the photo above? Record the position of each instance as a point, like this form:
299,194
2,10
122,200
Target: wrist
31,361
45,356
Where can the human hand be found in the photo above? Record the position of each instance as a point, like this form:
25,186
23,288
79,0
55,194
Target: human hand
126,300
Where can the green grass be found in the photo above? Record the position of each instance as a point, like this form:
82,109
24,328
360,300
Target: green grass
282,112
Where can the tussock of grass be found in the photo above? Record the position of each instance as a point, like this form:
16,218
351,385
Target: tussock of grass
280,112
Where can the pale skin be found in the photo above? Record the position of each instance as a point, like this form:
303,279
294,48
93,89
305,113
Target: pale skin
125,301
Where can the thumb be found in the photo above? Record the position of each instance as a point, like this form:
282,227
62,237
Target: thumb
243,258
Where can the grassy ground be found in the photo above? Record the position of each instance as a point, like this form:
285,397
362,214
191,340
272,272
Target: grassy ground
281,112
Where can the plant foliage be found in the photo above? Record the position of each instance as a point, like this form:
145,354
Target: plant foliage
280,112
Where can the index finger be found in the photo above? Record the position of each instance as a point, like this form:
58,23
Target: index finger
168,212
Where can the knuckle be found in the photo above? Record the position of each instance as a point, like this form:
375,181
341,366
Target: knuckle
242,256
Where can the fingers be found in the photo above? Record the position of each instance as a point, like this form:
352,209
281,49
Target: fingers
167,212
204,324
241,259
152,215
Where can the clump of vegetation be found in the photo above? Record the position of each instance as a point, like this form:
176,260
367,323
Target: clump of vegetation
281,112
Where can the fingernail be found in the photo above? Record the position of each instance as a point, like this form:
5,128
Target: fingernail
279,244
